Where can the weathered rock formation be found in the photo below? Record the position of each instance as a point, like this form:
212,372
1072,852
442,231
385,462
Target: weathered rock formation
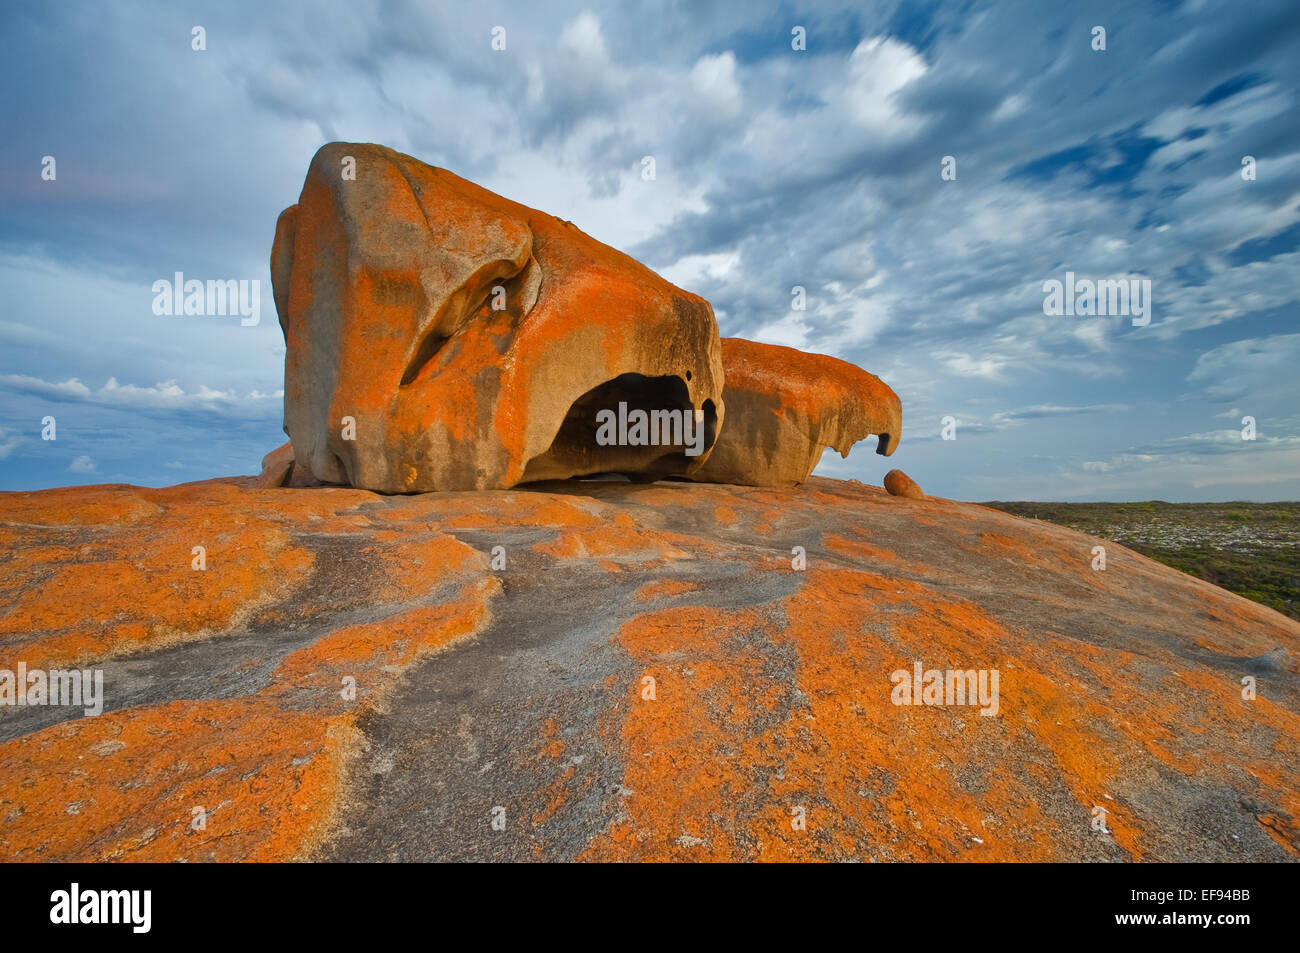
280,469
356,676
784,407
277,466
898,483
442,337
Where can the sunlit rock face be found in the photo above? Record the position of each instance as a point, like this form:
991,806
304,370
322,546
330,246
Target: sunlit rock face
784,407
898,483
441,337
354,677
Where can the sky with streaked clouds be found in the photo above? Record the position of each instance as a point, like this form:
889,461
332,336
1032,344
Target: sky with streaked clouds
774,168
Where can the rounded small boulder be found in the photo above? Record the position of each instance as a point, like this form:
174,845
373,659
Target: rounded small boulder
898,483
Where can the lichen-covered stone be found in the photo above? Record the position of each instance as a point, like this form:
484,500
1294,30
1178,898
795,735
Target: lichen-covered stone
784,407
898,483
441,337
347,657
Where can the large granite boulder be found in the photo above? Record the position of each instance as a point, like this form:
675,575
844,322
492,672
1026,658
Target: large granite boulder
442,337
784,407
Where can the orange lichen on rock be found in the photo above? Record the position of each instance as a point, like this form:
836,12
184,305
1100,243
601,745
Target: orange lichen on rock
621,544
786,406
857,768
686,752
276,466
254,777
245,779
374,650
708,699
184,575
839,756
264,771
899,483
858,549
664,587
441,337
470,511
412,565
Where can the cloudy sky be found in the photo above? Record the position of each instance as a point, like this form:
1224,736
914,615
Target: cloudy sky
774,168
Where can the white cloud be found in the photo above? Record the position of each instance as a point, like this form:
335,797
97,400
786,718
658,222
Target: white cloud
1039,411
163,395
967,365
878,68
1202,461
71,388
582,38
713,80
8,444
1256,374
693,270
791,331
